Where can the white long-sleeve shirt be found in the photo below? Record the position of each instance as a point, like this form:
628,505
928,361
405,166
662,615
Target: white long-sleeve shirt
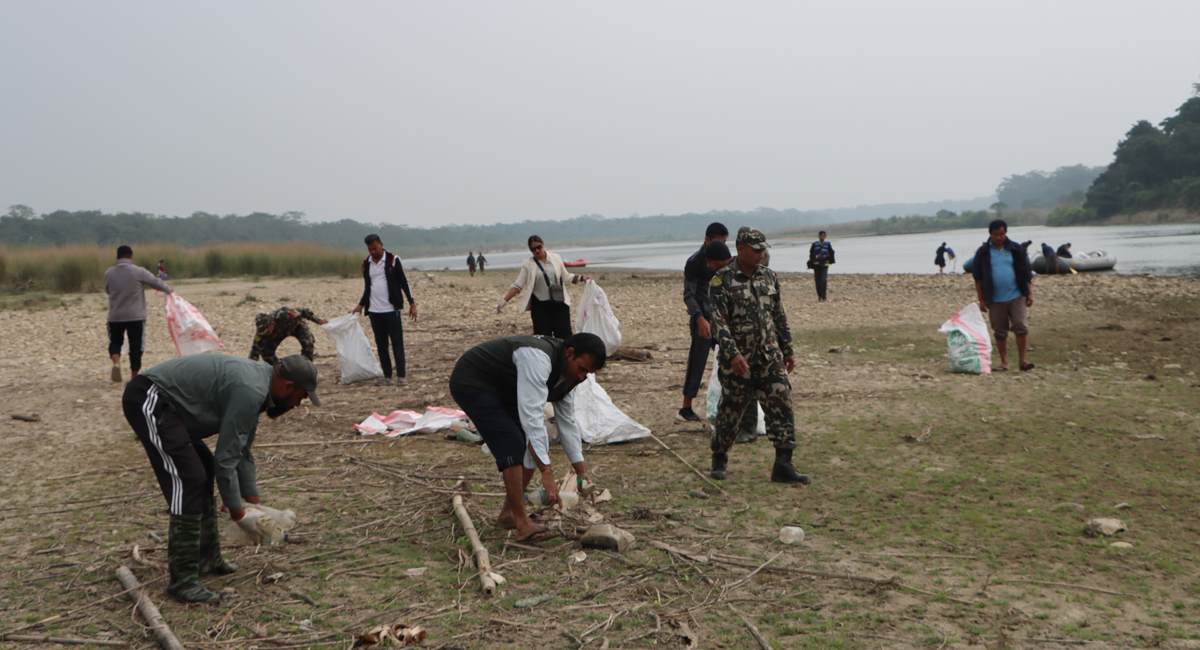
533,371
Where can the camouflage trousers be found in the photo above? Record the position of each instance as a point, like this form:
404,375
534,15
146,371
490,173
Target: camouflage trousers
265,347
767,382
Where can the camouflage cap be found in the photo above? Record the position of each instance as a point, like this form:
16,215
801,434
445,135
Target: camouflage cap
296,368
261,323
752,237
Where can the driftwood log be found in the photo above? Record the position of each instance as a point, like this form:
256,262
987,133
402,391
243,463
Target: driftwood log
166,638
482,562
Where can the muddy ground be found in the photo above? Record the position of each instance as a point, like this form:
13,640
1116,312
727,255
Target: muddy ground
947,511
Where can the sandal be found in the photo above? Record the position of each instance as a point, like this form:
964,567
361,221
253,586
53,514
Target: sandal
999,368
538,536
1025,367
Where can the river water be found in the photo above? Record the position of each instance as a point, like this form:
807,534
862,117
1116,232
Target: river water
1168,250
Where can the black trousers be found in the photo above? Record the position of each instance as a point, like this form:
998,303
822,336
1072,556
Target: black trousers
136,330
697,359
389,326
497,422
183,465
821,274
550,318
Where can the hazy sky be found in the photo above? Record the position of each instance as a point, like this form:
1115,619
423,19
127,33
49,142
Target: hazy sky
439,112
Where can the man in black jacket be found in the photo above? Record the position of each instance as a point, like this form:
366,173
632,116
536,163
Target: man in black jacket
384,278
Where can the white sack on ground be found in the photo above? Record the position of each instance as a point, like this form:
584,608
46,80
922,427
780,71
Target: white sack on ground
712,397
399,423
599,419
355,356
595,316
969,346
189,328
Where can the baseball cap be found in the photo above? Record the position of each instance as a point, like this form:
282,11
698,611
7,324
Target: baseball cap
717,250
752,237
296,368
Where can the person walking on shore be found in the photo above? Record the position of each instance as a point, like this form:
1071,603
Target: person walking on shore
755,356
939,259
820,257
1004,286
471,262
172,407
125,283
482,261
696,277
542,277
384,277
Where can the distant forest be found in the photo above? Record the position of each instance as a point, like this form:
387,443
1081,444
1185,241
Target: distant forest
22,227
1153,168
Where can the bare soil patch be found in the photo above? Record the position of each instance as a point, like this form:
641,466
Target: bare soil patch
947,511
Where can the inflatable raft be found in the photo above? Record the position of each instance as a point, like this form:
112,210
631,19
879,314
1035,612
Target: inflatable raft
1093,261
577,264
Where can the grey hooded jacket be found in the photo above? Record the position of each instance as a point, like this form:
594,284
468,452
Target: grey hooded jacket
126,295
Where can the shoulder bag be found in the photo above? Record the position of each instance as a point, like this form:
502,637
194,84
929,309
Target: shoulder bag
556,290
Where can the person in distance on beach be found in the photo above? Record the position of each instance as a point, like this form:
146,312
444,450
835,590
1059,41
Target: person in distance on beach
482,261
503,385
384,277
696,276
755,356
1004,286
820,257
172,407
542,277
471,262
718,257
125,283
939,259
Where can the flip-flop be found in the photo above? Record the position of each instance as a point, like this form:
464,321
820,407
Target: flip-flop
999,368
1026,367
538,536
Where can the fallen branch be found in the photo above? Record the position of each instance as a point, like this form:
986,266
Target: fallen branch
481,555
878,582
735,585
762,642
149,612
689,465
1063,584
30,638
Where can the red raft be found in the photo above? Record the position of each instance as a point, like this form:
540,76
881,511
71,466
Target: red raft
577,264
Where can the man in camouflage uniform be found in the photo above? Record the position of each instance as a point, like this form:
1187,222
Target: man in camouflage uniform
755,356
271,329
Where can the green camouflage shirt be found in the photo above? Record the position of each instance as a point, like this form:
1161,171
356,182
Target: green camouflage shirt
748,314
285,319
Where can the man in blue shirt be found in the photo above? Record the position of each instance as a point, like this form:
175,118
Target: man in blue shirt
696,276
820,256
1004,284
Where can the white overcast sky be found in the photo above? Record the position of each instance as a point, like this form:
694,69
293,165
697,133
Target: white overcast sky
438,112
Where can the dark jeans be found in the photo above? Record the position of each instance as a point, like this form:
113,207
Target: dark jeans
183,465
821,274
136,330
550,318
389,326
498,423
697,358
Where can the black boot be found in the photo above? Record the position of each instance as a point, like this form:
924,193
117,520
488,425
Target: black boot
719,464
784,472
210,544
183,559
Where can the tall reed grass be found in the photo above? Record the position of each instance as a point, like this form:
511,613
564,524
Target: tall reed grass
71,269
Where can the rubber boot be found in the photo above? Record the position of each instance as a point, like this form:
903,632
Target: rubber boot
748,427
183,560
720,462
210,544
784,472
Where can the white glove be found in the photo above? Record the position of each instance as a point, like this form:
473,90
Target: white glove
501,305
249,525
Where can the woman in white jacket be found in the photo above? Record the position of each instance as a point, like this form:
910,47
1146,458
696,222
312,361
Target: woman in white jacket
538,275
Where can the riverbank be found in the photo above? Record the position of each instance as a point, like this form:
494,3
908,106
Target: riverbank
946,510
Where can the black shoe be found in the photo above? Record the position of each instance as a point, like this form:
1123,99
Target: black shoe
746,436
686,414
720,463
784,472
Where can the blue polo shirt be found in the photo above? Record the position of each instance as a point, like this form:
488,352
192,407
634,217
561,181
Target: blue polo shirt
1004,276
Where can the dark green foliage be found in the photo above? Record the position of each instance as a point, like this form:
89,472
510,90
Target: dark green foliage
1037,189
1152,167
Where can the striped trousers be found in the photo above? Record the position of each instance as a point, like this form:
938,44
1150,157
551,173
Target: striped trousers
183,465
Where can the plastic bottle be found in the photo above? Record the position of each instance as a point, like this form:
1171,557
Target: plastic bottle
791,534
536,497
540,498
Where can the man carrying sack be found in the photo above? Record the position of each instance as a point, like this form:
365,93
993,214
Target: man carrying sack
172,407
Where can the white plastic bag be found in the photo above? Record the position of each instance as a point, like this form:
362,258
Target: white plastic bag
599,420
355,356
595,316
273,526
713,398
970,348
189,329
